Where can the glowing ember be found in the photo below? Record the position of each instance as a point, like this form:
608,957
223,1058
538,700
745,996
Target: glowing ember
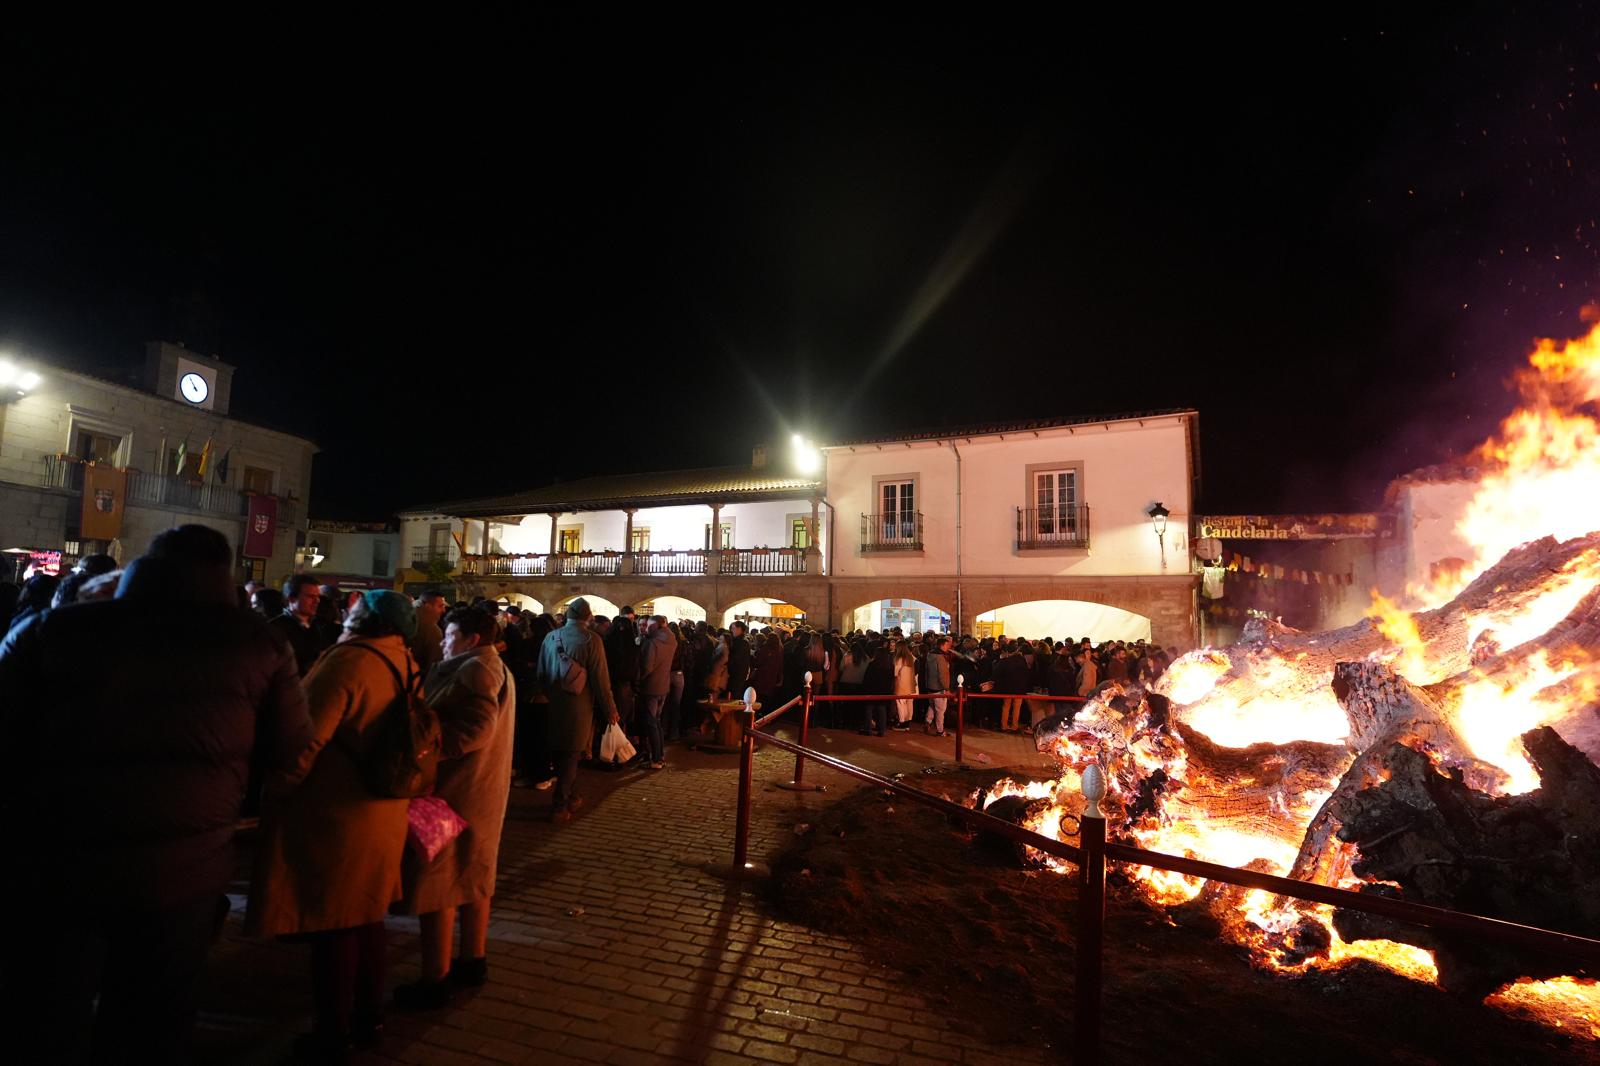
1562,1002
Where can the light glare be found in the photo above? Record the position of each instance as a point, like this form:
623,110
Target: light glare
28,380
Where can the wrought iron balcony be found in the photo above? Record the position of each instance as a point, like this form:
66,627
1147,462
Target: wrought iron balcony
1052,527
894,531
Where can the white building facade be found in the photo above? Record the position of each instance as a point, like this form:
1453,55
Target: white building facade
61,435
1042,529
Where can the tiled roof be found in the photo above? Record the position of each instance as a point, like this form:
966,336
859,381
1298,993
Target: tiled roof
725,483
984,429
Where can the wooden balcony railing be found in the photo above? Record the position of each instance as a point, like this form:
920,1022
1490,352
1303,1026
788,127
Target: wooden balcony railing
686,563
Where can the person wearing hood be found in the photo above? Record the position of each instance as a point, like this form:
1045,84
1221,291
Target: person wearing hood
328,864
655,682
141,716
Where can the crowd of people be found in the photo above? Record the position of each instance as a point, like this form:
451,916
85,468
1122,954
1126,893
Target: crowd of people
159,703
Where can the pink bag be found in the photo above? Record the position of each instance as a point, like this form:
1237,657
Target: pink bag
431,824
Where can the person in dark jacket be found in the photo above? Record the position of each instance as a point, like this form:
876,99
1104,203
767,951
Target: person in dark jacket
299,623
622,656
740,658
140,716
1012,677
768,675
657,650
879,681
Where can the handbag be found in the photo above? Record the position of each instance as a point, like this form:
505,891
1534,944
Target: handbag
431,824
614,745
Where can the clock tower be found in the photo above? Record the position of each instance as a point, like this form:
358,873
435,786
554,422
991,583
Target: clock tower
194,380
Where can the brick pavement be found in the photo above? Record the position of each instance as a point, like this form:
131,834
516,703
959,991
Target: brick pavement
610,944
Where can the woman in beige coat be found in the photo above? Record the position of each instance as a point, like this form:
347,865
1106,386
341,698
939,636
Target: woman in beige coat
329,860
476,701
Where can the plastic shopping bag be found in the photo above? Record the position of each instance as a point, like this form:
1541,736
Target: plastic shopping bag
614,746
431,824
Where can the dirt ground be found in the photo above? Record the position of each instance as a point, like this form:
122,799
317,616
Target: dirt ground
995,943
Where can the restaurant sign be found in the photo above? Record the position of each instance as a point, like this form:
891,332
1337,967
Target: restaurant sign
1292,526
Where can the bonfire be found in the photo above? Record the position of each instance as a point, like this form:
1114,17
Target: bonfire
1441,750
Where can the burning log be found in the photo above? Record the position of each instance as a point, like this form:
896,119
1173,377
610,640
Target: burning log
1533,858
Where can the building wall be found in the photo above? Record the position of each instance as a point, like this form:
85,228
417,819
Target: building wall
1425,531
351,554
1125,468
46,423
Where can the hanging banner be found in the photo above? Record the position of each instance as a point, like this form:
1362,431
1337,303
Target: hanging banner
104,491
1293,526
260,527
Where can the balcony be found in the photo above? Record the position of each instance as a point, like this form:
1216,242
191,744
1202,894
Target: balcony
1052,527
895,531
167,493
695,563
422,556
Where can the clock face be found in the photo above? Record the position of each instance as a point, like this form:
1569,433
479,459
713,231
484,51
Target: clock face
194,388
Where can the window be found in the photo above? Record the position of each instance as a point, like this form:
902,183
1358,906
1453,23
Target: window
897,509
380,558
1055,501
97,447
799,531
255,569
571,539
258,481
439,541
727,535
641,539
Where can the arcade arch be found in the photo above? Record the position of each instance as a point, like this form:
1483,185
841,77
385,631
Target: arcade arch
910,615
762,611
1064,620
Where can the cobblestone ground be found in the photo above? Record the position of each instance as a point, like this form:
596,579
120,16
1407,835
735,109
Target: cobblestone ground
610,944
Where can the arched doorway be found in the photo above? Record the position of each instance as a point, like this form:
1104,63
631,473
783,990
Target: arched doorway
758,612
1063,620
674,609
912,616
598,604
527,603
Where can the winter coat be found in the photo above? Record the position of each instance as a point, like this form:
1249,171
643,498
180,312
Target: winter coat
936,672
905,684
1062,678
659,650
879,680
427,646
769,667
717,670
330,851
134,723
738,664
307,641
1012,676
572,716
476,699
1088,676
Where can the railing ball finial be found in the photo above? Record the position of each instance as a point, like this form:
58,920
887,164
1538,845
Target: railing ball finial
1094,790
750,699
961,681
808,679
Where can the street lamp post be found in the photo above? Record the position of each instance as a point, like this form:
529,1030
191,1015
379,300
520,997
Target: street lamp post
1158,518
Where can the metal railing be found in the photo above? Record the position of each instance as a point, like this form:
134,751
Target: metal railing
63,472
1093,851
763,561
504,565
1053,527
422,555
893,531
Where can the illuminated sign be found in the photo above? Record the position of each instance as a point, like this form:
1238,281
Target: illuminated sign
1292,526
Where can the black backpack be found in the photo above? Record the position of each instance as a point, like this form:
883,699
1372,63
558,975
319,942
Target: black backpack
402,761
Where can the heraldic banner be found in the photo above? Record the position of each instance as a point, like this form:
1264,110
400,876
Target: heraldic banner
104,489
260,527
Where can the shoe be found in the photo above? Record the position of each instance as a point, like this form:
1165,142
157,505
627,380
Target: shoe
546,785
424,995
469,973
577,804
561,817
658,766
941,733
320,1048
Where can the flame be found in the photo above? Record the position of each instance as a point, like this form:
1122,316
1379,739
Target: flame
1540,470
1563,1002
1400,627
1493,714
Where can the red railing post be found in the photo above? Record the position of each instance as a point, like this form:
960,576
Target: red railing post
961,713
1091,919
799,782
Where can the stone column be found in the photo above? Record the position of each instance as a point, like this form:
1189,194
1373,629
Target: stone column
626,561
554,518
714,541
813,549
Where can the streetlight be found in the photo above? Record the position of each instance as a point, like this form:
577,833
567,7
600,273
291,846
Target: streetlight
1158,518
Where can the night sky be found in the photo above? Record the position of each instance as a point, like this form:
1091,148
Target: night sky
481,259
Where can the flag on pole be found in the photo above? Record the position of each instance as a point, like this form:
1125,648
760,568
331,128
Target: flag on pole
205,458
222,467
183,457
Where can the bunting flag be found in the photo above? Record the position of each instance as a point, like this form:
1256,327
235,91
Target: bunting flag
183,457
205,459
